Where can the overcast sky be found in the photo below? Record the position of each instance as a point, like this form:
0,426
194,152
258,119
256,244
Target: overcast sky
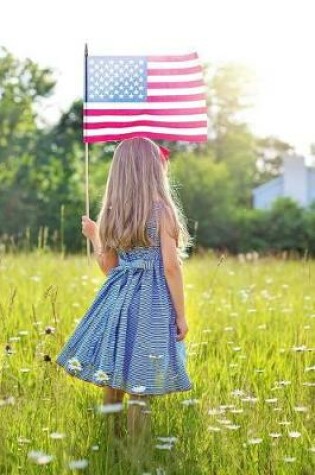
275,38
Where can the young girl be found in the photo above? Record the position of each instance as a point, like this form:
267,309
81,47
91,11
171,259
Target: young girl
131,339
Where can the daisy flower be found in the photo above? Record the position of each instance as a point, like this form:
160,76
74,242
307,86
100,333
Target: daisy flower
74,364
101,376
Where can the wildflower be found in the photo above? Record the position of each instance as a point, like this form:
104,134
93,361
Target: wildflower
24,440
215,412
40,457
300,409
289,459
101,376
254,441
136,402
49,330
283,383
108,408
168,439
14,338
238,392
57,435
78,464
74,364
164,446
214,429
224,421
275,435
227,406
299,348
47,358
159,471
294,434
138,389
190,402
8,400
249,399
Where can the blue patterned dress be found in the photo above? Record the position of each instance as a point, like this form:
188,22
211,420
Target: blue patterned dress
127,337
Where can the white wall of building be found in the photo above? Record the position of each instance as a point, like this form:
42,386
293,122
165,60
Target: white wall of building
296,182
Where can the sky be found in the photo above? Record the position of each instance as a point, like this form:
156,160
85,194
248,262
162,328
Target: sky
274,38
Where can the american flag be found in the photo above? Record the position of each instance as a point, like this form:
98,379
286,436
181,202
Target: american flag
159,97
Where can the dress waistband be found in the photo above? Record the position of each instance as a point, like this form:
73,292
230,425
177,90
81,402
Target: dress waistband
135,264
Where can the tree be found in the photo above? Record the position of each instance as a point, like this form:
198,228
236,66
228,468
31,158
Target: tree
231,142
270,151
204,190
22,85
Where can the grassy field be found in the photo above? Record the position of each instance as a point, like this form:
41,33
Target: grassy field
250,352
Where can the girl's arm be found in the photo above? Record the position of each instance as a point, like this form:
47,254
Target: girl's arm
105,259
173,271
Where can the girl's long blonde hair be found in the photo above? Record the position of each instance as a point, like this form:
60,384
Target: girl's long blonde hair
136,179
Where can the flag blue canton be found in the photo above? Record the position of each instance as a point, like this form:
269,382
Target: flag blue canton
121,79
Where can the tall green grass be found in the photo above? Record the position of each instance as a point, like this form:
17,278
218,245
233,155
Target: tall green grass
250,355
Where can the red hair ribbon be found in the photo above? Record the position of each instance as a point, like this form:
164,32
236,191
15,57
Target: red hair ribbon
165,152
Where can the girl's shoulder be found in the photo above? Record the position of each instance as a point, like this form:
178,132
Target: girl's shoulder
165,215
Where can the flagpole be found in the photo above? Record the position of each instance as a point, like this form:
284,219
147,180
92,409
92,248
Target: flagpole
87,203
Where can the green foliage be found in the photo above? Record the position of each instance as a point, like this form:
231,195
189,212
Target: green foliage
22,85
286,225
281,228
206,194
42,170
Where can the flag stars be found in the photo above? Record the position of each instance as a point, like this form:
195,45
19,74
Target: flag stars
117,79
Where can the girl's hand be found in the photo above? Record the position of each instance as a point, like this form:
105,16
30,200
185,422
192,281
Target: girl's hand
182,329
89,228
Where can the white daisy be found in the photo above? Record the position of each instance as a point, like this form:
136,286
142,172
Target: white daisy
190,402
57,435
168,439
164,446
138,389
101,376
109,408
40,457
78,464
74,364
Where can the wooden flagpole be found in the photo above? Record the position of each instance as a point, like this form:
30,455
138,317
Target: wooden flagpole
87,204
